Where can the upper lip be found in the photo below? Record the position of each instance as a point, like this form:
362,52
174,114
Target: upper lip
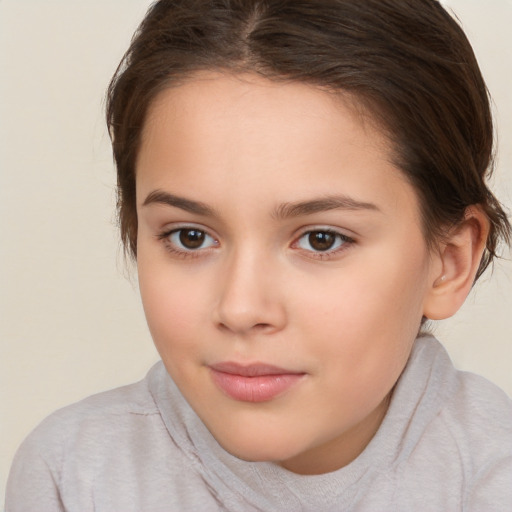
251,370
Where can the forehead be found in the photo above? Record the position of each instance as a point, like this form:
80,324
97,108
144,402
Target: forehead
254,103
260,137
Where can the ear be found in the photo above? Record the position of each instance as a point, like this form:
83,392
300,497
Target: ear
455,265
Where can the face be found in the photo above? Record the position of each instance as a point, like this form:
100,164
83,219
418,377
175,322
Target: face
281,264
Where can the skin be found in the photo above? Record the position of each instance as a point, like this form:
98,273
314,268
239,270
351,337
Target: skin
256,290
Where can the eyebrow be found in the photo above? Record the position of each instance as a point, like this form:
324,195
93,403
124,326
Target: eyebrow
302,208
282,212
161,197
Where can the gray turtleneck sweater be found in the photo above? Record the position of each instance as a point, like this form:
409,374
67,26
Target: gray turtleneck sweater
444,445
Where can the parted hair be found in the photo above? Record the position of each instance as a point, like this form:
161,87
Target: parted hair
407,63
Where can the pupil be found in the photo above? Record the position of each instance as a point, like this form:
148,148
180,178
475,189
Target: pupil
321,240
192,238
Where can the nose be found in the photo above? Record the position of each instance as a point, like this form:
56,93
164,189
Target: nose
250,296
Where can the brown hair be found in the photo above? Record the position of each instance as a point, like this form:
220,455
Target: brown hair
407,61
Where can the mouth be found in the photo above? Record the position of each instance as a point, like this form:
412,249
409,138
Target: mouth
254,382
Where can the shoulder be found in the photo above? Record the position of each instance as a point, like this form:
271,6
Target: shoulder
98,412
469,405
77,444
474,428
479,416
479,419
456,447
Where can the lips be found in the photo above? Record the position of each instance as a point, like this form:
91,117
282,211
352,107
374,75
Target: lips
253,383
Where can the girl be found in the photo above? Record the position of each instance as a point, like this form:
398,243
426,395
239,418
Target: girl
302,185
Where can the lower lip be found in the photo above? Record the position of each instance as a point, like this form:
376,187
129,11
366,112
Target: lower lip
255,389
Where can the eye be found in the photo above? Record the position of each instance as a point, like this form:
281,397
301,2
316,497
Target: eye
190,239
322,241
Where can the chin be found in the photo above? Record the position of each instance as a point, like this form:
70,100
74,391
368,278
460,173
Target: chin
264,447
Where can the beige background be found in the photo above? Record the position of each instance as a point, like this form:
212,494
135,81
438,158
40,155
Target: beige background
71,321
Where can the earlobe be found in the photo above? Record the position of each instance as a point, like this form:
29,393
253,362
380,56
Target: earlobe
458,259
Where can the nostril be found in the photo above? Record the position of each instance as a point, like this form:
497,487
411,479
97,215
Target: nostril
262,326
258,327
244,304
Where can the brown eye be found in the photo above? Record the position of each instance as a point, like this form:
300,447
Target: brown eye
187,241
191,238
321,240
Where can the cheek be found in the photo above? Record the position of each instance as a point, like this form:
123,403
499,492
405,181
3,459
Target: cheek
390,287
368,312
360,299
174,306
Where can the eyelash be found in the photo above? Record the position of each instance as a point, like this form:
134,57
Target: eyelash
344,243
165,237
